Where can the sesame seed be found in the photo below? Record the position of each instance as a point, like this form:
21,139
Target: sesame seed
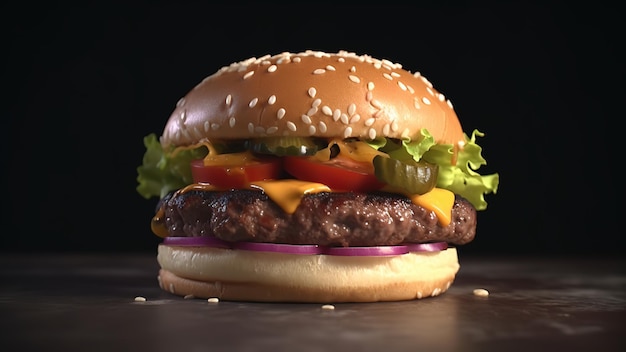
449,104
341,59
259,130
354,78
387,76
172,288
316,103
355,118
280,113
180,102
183,116
481,292
306,119
426,81
330,68
402,86
207,126
322,127
291,126
312,92
436,291
312,129
297,59
441,97
248,74
271,100
336,114
213,300
272,68
251,127
229,99
272,130
328,307
425,100
231,122
344,119
189,297
370,86
410,89
140,299
369,122
352,69
327,111
419,294
215,126
386,129
371,133
369,96
351,109
319,71
395,74
253,102
377,104
430,91
394,126
347,132
416,103
312,111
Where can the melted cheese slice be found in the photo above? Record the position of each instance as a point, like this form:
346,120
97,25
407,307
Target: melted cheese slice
289,192
439,201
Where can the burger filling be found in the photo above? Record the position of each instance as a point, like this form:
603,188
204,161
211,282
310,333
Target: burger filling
344,192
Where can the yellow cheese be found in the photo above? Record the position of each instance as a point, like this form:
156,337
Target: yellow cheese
288,193
438,200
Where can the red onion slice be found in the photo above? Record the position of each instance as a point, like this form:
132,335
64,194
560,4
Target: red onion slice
377,251
278,247
196,242
426,247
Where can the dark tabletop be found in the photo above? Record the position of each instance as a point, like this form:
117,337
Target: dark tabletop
84,302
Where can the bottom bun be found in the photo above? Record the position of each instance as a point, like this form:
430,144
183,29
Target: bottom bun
238,275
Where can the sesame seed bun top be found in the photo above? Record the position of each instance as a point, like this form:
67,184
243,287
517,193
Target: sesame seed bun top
312,94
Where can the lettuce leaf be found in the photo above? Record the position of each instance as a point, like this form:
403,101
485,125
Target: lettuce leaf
462,177
164,171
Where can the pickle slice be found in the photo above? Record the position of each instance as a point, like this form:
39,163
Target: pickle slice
413,177
286,146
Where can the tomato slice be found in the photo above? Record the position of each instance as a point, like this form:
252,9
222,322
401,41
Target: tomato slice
236,176
340,174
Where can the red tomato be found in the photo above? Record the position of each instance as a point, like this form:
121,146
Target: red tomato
236,176
341,174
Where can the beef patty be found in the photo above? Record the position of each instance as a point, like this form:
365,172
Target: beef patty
329,219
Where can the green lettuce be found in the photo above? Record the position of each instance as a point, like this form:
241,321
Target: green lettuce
164,171
460,178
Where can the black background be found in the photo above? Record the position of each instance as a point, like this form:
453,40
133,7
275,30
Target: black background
84,83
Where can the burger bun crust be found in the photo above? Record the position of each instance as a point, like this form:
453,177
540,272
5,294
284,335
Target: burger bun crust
312,93
236,275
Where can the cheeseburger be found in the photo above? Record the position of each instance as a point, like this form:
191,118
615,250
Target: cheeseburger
313,177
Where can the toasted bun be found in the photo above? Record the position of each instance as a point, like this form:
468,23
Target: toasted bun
275,277
312,94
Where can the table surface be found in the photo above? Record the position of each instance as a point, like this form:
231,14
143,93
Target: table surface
74,301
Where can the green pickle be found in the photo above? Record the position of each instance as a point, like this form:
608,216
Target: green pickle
413,177
286,146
